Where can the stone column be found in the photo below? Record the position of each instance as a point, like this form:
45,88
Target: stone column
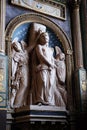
2,25
80,73
79,84
3,68
83,11
76,32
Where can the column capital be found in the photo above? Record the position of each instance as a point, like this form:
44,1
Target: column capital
74,3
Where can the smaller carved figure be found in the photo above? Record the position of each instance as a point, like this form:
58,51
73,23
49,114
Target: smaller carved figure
16,49
20,76
61,76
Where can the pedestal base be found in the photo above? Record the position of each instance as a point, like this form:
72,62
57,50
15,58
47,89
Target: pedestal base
39,117
3,119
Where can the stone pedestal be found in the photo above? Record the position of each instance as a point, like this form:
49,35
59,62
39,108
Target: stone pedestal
41,118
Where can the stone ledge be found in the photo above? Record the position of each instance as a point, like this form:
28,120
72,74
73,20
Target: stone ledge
40,113
41,108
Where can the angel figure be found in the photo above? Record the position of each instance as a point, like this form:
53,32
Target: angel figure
20,75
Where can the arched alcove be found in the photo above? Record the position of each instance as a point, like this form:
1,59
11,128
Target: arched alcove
63,41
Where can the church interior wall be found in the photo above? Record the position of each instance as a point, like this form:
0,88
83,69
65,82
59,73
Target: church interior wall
34,117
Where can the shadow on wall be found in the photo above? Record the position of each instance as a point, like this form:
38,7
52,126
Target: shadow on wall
81,123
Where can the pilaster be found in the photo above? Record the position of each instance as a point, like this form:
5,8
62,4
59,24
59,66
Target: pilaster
2,25
76,34
3,68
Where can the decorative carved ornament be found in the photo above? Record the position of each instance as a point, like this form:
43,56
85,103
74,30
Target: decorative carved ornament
49,7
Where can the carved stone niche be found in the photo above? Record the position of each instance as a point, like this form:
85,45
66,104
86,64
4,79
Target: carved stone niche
24,31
